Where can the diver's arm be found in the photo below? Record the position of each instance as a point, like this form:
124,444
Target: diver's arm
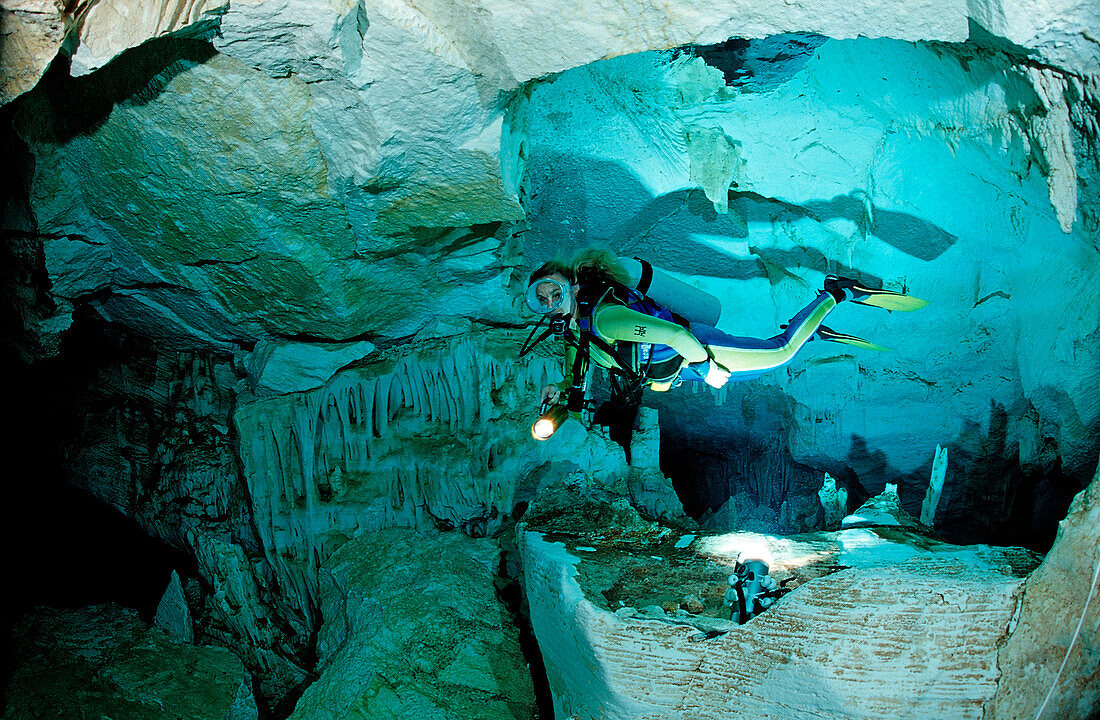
570,361
550,393
618,322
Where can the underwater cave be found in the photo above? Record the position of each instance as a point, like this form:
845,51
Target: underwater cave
269,311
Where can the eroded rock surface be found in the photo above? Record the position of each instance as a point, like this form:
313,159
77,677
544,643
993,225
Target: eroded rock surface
879,623
31,32
413,629
1050,664
436,437
103,661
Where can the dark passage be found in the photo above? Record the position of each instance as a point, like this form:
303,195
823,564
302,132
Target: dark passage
64,548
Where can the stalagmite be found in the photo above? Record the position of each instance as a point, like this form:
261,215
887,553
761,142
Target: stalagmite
173,616
935,487
833,500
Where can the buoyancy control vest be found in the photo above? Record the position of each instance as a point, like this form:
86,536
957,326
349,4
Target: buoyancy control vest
654,362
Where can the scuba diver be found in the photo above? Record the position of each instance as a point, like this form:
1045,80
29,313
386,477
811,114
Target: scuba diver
615,312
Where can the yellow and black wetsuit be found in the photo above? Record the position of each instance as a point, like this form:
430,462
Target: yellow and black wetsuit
633,333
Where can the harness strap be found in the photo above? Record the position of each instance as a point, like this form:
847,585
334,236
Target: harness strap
646,278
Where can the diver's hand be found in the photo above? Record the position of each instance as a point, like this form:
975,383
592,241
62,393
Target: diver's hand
713,374
549,394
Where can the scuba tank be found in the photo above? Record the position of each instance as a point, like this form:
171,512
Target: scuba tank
752,590
689,302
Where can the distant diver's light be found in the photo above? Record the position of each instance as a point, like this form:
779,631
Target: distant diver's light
549,422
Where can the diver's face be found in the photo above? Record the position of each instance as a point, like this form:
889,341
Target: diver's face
549,294
553,294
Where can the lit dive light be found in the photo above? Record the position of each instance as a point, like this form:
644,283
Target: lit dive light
549,422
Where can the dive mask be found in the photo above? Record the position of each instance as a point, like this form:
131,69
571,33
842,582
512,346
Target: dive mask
547,295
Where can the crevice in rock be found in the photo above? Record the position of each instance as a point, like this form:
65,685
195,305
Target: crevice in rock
214,261
510,591
67,548
737,474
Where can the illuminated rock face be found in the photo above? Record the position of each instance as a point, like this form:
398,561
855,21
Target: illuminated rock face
878,623
31,32
860,174
440,438
343,174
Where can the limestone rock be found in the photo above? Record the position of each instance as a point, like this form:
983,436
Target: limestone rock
103,661
935,487
436,435
286,367
1054,134
173,615
413,629
883,510
31,32
931,615
156,445
107,29
650,490
834,501
1049,664
1057,31
269,630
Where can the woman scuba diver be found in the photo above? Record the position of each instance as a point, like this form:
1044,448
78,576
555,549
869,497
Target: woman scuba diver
596,304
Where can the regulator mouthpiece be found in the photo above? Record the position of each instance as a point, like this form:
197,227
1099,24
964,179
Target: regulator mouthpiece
549,422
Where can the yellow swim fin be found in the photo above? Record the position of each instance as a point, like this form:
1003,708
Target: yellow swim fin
848,289
824,333
891,301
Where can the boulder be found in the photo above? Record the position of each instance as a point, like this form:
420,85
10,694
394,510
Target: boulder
413,629
103,661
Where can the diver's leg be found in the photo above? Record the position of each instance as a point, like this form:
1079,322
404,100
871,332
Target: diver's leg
747,358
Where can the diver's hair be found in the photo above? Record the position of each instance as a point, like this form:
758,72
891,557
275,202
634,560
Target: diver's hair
599,267
592,267
547,269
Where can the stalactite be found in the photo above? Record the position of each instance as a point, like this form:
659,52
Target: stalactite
364,394
382,406
339,458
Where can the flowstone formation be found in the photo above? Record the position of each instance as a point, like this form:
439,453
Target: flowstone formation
264,261
436,439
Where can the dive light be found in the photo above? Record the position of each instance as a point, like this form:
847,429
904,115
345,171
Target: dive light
549,421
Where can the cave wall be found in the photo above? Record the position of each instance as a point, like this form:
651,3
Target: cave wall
438,438
148,432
